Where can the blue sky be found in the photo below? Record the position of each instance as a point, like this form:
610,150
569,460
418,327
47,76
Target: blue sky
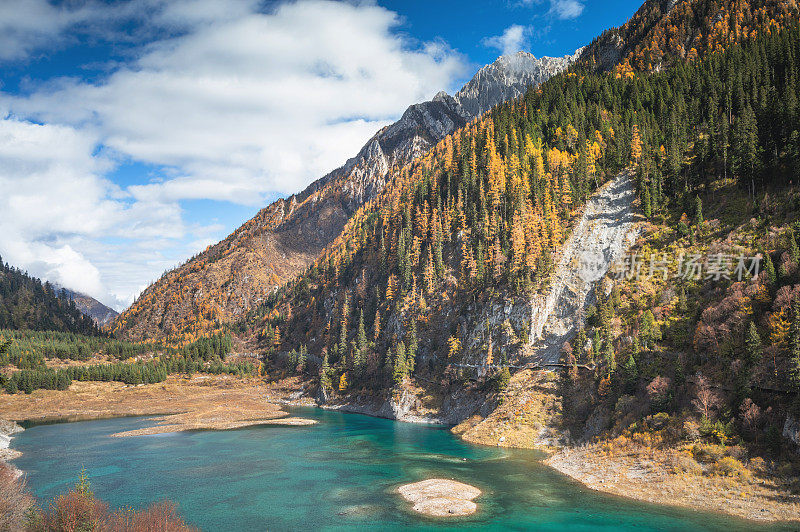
134,133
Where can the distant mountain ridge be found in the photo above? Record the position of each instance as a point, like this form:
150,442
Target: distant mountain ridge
91,307
28,303
281,240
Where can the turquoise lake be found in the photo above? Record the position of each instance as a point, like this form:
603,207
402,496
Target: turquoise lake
337,475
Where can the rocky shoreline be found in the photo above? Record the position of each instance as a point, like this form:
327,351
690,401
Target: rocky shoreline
527,415
7,431
523,417
407,404
650,475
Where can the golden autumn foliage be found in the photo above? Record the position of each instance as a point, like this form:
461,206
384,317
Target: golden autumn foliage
690,29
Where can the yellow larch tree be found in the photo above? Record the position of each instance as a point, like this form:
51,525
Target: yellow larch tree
428,274
636,144
391,288
497,258
453,347
517,244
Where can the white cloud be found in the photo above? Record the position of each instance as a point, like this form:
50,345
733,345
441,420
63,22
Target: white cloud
56,205
27,26
235,104
254,104
513,39
562,9
566,9
517,37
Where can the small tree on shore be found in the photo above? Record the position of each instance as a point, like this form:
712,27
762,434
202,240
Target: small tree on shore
324,372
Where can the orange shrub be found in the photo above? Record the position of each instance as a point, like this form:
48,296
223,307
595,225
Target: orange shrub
80,511
73,512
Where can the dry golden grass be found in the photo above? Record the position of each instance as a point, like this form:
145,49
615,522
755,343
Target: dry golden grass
527,418
199,402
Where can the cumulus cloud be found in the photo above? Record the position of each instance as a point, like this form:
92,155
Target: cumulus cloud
26,26
56,204
513,39
30,27
256,104
234,104
566,9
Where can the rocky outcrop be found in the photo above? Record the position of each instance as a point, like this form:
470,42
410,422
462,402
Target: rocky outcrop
509,77
7,431
404,405
791,431
601,237
420,128
607,52
527,414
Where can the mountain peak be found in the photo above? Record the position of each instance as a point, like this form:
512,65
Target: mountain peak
441,96
520,59
100,313
508,77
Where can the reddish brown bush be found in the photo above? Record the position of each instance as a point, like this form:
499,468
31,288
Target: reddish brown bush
784,297
706,399
73,512
79,510
15,501
751,417
720,323
160,517
658,390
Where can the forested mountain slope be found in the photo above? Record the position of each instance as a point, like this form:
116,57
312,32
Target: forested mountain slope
665,32
709,340
236,274
27,303
436,272
430,282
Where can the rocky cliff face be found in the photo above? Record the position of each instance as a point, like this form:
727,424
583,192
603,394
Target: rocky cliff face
604,232
791,431
230,277
509,77
422,126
